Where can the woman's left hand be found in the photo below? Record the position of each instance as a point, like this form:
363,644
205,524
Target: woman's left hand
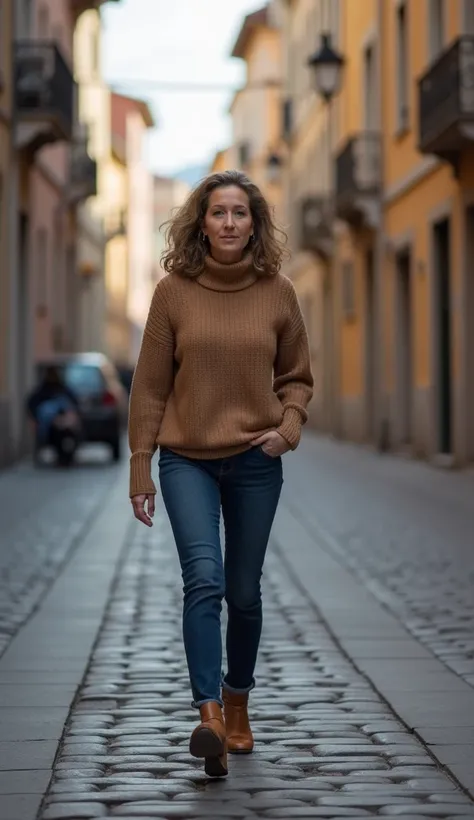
272,443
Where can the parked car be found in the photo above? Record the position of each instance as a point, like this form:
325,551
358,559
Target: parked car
126,375
103,400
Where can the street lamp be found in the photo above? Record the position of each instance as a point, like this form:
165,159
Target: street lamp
274,164
326,65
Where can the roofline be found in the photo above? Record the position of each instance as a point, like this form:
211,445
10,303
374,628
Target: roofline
141,105
251,22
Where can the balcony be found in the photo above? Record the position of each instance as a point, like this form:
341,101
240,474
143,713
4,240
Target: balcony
79,6
358,180
315,221
446,102
115,224
83,169
43,94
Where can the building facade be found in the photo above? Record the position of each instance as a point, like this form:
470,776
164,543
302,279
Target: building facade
379,196
168,194
428,206
255,110
94,154
310,131
128,200
44,167
7,365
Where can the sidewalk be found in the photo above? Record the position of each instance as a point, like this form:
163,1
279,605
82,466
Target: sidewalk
354,717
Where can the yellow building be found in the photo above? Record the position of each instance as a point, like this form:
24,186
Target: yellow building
6,374
255,109
310,131
428,171
94,116
222,161
388,272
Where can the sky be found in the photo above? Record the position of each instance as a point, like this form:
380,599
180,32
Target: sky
183,42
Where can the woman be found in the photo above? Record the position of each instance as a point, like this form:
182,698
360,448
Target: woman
221,387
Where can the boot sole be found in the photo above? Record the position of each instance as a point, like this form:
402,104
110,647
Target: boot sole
216,766
240,751
205,743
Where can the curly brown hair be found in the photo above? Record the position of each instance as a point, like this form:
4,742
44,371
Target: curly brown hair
187,249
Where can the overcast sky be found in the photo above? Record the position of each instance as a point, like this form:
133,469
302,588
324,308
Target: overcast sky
177,41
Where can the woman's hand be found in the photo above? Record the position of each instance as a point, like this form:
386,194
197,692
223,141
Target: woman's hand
272,443
138,504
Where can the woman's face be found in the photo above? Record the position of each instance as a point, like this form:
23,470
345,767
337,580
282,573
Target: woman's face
228,223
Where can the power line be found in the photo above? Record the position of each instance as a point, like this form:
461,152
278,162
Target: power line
187,88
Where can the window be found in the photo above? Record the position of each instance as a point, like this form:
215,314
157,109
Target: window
370,91
94,41
468,14
41,271
244,154
403,72
43,23
436,27
348,291
2,52
84,380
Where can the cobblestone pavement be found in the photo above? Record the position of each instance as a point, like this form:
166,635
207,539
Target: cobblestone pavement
327,745
43,514
404,528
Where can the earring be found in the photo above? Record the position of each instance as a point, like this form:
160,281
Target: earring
202,236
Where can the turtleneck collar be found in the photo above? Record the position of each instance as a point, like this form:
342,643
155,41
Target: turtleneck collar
236,276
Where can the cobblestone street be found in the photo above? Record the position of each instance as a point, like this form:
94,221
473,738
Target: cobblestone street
360,709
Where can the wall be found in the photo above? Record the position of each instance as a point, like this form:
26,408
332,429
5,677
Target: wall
49,276
6,262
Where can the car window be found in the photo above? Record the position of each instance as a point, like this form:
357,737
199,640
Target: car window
83,379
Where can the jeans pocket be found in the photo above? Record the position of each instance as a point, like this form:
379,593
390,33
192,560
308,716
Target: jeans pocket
266,455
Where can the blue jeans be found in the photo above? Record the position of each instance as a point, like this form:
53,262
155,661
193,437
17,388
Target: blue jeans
247,487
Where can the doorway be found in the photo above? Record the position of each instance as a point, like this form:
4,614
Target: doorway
443,335
23,329
404,348
370,398
469,335
329,358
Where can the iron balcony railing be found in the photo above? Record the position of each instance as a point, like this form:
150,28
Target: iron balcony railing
44,84
446,98
315,224
83,173
358,167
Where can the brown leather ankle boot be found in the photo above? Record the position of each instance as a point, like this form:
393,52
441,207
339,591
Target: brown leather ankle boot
239,733
209,740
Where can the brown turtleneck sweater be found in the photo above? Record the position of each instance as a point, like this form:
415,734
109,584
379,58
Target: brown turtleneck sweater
224,359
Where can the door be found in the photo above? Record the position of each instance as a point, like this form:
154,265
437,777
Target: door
23,325
404,348
329,359
467,372
443,335
369,368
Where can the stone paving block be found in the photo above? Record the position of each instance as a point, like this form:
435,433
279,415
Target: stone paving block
19,806
74,811
15,782
316,811
446,810
17,755
449,736
30,723
319,727
183,812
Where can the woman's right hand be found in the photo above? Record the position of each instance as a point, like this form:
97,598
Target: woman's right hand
142,514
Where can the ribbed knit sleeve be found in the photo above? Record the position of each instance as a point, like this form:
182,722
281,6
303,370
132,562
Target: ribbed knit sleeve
293,380
151,387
